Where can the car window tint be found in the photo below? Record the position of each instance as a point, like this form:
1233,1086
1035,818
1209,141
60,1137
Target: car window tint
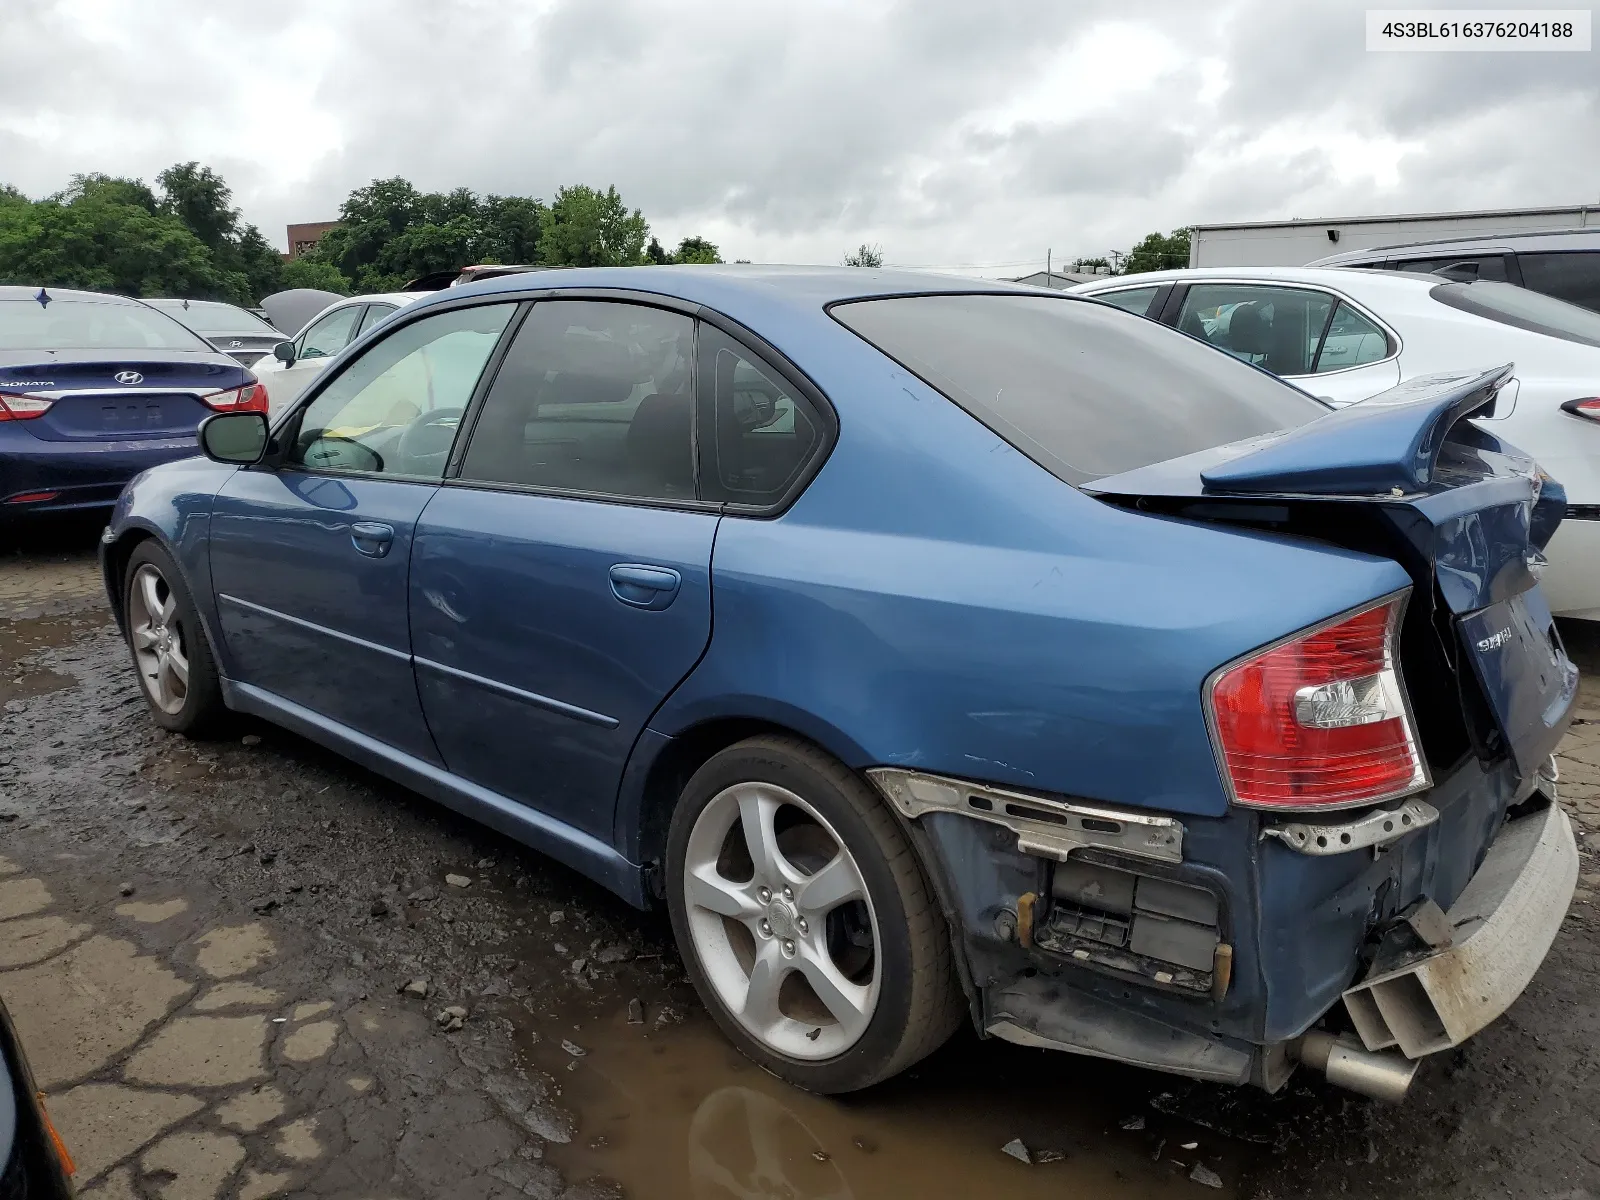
1134,300
394,408
331,334
1353,340
592,397
375,314
63,324
764,434
1277,329
1082,389
1573,276
1458,268
1522,308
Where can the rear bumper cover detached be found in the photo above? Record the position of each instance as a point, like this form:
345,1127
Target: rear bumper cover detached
1499,931
994,861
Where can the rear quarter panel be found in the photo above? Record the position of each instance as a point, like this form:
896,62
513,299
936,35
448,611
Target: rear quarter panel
936,600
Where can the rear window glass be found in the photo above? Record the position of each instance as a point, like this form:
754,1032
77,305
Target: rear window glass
1523,309
207,316
87,325
1573,276
1082,389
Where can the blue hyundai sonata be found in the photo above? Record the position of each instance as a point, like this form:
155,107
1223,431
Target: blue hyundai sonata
934,650
95,388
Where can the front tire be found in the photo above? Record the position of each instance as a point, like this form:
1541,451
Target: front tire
171,656
804,920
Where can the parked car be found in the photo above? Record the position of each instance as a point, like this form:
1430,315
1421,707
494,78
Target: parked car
1345,335
94,389
238,333
34,1165
1560,263
292,310
1066,676
295,362
461,276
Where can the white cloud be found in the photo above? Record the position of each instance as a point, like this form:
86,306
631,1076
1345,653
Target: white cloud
951,133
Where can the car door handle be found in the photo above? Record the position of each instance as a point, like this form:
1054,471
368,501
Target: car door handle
644,587
372,538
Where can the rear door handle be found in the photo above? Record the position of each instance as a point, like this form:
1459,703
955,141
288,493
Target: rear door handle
645,587
372,538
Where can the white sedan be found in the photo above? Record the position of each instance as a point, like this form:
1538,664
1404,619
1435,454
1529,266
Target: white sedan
293,364
1346,334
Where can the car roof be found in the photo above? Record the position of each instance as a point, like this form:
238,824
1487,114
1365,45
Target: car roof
1333,278
1529,241
30,292
735,287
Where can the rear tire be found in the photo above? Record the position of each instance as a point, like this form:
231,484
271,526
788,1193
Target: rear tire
171,656
804,920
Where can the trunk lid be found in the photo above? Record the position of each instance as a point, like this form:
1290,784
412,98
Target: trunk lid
120,396
1405,474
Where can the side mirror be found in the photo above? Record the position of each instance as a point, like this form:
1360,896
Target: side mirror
238,438
284,353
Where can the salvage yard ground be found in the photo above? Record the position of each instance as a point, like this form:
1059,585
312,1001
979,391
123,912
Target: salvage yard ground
248,969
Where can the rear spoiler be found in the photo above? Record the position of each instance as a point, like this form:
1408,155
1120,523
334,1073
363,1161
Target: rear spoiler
1389,441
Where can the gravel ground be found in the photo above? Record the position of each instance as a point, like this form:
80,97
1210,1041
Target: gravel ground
206,946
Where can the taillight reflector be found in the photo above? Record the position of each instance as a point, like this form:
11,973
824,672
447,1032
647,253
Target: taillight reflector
1321,720
1584,408
22,408
252,397
31,497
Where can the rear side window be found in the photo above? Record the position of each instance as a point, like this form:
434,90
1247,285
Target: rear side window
1522,309
763,433
595,397
1134,300
1573,276
1082,389
90,325
1276,328
1491,267
1352,341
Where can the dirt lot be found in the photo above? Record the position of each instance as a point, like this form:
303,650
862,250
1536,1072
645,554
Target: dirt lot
207,947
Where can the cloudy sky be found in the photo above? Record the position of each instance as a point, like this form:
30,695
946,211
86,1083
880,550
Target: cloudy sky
970,135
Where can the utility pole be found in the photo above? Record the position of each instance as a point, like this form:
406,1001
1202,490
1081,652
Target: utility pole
1048,278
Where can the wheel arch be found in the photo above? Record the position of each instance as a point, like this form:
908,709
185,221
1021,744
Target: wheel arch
114,569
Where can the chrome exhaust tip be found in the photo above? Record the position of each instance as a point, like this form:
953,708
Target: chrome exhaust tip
1383,1075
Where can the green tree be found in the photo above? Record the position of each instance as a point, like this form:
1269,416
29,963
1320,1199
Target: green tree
656,253
696,250
864,256
1158,252
109,189
310,272
584,227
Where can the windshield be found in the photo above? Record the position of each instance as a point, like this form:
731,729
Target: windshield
1522,309
89,325
1085,390
209,317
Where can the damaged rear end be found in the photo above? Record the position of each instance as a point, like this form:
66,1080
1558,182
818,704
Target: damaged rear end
1391,839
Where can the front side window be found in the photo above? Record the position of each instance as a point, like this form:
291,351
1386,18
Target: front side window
395,408
594,397
1134,300
1276,328
1522,308
331,334
1082,389
1573,276
1353,340
90,325
763,433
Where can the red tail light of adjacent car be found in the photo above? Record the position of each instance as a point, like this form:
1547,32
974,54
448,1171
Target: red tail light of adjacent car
14,407
1320,720
252,397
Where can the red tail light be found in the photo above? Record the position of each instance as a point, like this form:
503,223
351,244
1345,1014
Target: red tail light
22,408
1320,721
1584,408
252,397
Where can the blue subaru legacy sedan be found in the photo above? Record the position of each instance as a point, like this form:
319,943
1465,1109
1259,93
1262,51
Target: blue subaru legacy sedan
95,388
934,650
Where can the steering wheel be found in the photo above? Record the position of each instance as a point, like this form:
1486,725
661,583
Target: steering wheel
426,440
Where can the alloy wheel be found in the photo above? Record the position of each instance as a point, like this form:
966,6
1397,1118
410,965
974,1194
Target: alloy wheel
782,921
158,642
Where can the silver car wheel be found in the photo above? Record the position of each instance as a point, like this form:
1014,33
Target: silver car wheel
158,647
781,921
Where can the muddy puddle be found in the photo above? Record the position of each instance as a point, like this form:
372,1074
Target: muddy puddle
669,1110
